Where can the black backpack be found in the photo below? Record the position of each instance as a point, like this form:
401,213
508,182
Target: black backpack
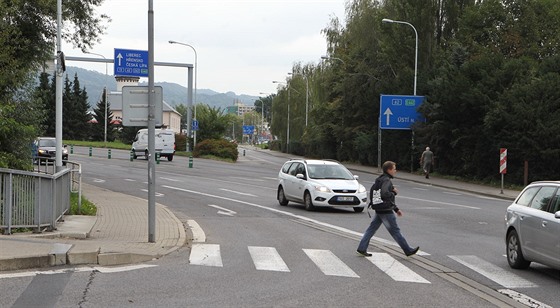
375,193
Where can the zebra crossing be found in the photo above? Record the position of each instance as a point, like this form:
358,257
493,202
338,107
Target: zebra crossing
269,259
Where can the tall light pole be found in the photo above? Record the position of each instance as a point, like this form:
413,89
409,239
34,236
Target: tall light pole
262,114
288,132
387,20
195,81
106,95
416,49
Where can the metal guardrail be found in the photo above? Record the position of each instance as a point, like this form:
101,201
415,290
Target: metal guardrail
37,199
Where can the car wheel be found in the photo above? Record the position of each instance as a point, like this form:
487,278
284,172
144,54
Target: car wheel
170,157
146,154
308,202
358,209
514,253
281,197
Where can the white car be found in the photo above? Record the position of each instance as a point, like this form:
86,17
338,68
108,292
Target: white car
533,226
320,183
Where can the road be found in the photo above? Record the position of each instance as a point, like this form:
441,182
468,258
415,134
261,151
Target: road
258,253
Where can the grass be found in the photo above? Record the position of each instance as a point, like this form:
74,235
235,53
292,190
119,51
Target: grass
99,144
87,208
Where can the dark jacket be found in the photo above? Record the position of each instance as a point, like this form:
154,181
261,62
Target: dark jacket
387,195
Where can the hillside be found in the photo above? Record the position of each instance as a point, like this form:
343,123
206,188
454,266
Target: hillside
173,94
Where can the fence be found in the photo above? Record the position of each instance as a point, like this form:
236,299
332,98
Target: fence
36,199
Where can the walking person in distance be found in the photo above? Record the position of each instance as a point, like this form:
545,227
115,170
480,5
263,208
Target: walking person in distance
427,161
385,213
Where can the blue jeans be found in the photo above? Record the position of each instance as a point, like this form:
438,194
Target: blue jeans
389,220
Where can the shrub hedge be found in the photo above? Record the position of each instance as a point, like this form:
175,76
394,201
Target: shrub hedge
216,147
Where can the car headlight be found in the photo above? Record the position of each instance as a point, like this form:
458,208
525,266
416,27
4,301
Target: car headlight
362,189
324,189
65,151
42,151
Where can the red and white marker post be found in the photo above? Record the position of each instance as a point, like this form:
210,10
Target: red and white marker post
503,165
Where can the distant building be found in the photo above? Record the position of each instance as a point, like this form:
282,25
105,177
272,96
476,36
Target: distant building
239,108
171,118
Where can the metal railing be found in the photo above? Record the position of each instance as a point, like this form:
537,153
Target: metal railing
37,199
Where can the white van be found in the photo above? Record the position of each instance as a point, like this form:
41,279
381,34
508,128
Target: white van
164,143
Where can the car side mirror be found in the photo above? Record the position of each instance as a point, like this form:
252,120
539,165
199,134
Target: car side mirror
356,177
557,215
300,176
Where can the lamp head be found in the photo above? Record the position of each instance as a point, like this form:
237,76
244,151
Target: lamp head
387,20
172,42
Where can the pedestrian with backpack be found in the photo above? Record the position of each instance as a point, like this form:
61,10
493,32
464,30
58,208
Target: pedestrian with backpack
385,212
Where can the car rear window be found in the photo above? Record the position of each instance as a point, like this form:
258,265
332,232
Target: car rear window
527,196
543,197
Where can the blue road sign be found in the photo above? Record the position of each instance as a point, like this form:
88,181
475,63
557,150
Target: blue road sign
130,62
398,111
248,129
195,125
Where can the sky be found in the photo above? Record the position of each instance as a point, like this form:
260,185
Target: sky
241,45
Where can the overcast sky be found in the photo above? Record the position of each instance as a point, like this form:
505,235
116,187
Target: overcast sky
242,45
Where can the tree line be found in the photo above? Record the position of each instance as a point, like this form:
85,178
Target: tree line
489,72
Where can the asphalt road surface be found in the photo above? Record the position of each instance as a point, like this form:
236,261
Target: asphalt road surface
258,253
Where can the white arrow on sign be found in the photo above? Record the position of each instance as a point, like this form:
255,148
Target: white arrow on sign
223,211
119,56
388,113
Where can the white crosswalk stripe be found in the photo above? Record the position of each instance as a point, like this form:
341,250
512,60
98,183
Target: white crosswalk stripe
394,268
206,254
493,272
329,264
267,259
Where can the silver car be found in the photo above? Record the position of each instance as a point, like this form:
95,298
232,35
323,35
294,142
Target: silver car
533,226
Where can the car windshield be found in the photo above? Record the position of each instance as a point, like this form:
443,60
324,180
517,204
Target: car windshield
47,143
331,172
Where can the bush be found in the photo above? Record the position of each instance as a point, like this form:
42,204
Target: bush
216,147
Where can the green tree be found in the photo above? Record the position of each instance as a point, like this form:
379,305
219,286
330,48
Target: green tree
26,44
213,122
98,129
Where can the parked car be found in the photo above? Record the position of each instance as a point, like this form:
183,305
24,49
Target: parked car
320,183
45,147
533,226
164,143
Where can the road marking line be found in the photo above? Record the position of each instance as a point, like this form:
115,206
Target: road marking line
523,299
98,181
246,179
438,202
76,270
451,193
223,211
156,194
423,189
394,268
493,272
168,179
130,180
267,259
198,234
237,192
329,264
206,254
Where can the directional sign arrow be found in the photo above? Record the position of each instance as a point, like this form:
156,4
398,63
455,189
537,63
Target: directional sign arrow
119,56
388,113
223,211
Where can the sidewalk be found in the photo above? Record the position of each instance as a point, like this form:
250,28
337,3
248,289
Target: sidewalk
119,232
117,235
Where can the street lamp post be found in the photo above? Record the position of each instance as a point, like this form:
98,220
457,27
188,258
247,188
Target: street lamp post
332,58
195,81
262,115
416,49
106,95
387,20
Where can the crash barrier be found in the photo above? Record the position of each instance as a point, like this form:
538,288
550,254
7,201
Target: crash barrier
36,200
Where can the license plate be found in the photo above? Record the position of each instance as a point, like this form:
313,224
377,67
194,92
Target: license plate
345,199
